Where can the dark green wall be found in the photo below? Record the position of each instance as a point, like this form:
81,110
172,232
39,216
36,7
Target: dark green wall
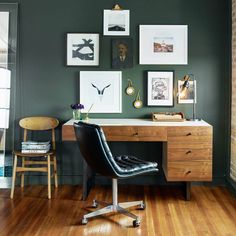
46,86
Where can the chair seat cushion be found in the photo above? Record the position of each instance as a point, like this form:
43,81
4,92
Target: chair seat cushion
33,154
128,166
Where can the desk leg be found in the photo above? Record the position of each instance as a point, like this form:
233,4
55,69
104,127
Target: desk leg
88,180
187,190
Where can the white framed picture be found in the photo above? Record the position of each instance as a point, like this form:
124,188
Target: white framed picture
101,90
190,93
160,88
116,22
163,44
82,49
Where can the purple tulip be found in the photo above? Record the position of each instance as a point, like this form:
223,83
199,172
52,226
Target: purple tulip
77,106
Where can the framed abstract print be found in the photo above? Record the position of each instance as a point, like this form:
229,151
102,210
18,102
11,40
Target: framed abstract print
82,49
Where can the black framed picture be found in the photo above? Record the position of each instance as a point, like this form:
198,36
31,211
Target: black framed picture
122,53
160,88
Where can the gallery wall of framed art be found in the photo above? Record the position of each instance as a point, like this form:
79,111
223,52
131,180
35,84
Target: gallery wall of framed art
158,45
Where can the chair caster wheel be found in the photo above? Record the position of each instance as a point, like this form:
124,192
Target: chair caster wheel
142,206
136,223
84,221
95,204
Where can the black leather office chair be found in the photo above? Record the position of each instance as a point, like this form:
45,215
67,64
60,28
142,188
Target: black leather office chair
96,152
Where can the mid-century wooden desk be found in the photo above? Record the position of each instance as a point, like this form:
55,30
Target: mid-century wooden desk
187,145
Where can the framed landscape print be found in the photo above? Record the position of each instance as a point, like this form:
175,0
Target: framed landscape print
189,94
160,88
101,90
82,49
163,44
116,22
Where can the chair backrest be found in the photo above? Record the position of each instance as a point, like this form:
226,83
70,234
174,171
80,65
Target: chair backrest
94,148
39,123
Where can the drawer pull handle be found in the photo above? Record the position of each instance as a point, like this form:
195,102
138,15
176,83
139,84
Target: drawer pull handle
188,134
188,172
136,134
188,152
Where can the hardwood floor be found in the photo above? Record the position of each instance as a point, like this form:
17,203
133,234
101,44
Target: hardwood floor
211,211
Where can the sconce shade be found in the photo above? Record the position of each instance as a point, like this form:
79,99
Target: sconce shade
185,89
185,86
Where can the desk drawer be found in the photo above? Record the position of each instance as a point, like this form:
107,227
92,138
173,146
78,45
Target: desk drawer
189,154
190,144
189,171
135,133
68,133
187,134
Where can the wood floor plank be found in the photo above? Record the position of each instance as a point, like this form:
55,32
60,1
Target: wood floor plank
211,211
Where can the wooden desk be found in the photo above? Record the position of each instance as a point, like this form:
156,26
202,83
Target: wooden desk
187,146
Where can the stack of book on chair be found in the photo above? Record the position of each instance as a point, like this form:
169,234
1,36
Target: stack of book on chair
35,147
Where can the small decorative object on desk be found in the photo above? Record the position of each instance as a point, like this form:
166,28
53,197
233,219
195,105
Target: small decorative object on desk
168,116
77,110
87,115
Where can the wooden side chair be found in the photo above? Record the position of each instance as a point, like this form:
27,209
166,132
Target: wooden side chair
29,160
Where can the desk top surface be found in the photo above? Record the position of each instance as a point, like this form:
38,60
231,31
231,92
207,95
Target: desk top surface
139,122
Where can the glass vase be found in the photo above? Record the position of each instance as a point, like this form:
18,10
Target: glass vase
76,114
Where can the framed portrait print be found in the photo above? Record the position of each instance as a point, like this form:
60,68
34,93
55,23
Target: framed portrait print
101,90
190,94
160,88
163,44
82,49
122,53
116,22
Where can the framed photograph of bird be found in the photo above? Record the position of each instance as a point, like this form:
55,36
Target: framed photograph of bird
101,90
82,49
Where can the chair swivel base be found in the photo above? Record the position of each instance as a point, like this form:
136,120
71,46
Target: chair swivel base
120,208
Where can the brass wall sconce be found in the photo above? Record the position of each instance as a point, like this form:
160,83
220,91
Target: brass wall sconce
138,103
130,89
